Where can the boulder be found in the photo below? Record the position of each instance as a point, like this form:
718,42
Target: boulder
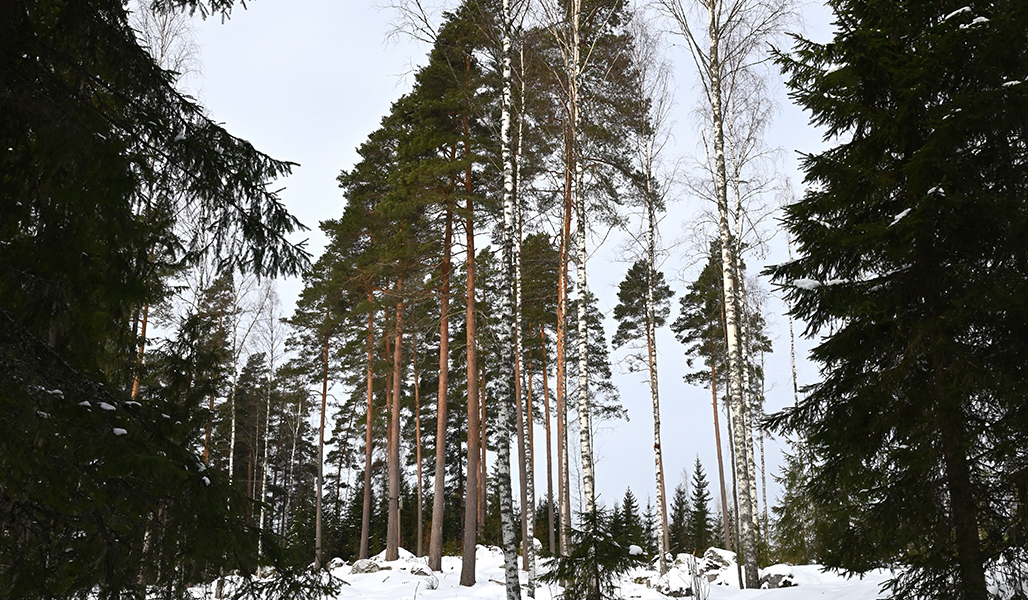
335,563
674,585
421,570
774,581
365,566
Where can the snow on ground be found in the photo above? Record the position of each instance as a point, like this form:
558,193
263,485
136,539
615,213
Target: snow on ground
410,579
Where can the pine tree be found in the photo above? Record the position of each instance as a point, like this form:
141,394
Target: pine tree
911,261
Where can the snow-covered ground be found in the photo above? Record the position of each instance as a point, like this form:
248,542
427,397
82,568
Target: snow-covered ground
410,579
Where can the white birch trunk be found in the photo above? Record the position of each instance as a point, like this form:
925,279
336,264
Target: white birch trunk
272,346
732,320
584,412
745,338
295,428
510,324
321,457
792,341
651,352
528,506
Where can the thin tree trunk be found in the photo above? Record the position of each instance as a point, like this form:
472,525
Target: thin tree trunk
663,541
264,461
142,349
393,524
522,465
290,487
435,548
368,436
564,529
467,575
549,448
417,441
584,411
720,460
321,454
483,464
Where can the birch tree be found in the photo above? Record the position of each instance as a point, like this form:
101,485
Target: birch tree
508,302
725,38
271,339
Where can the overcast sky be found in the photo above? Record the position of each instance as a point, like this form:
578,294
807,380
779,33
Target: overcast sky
308,80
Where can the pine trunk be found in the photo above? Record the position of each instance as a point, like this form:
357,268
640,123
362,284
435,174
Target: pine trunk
417,444
393,523
551,533
467,574
435,548
142,349
369,438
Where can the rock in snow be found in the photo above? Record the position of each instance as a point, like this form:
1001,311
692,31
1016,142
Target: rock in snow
365,566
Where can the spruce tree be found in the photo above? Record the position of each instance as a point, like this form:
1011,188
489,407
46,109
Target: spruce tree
630,521
911,264
700,521
678,529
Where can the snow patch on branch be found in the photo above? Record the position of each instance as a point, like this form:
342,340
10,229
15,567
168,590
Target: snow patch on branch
900,216
965,9
976,21
806,284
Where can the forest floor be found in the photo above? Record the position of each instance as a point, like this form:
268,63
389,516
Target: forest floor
409,579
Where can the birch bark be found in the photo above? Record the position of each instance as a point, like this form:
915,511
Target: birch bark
508,374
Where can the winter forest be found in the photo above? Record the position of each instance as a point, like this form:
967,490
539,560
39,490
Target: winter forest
199,402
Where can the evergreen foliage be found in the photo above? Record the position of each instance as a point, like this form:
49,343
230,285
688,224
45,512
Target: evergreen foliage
630,311
700,324
112,182
700,521
649,524
627,523
795,535
603,397
596,563
912,264
678,527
